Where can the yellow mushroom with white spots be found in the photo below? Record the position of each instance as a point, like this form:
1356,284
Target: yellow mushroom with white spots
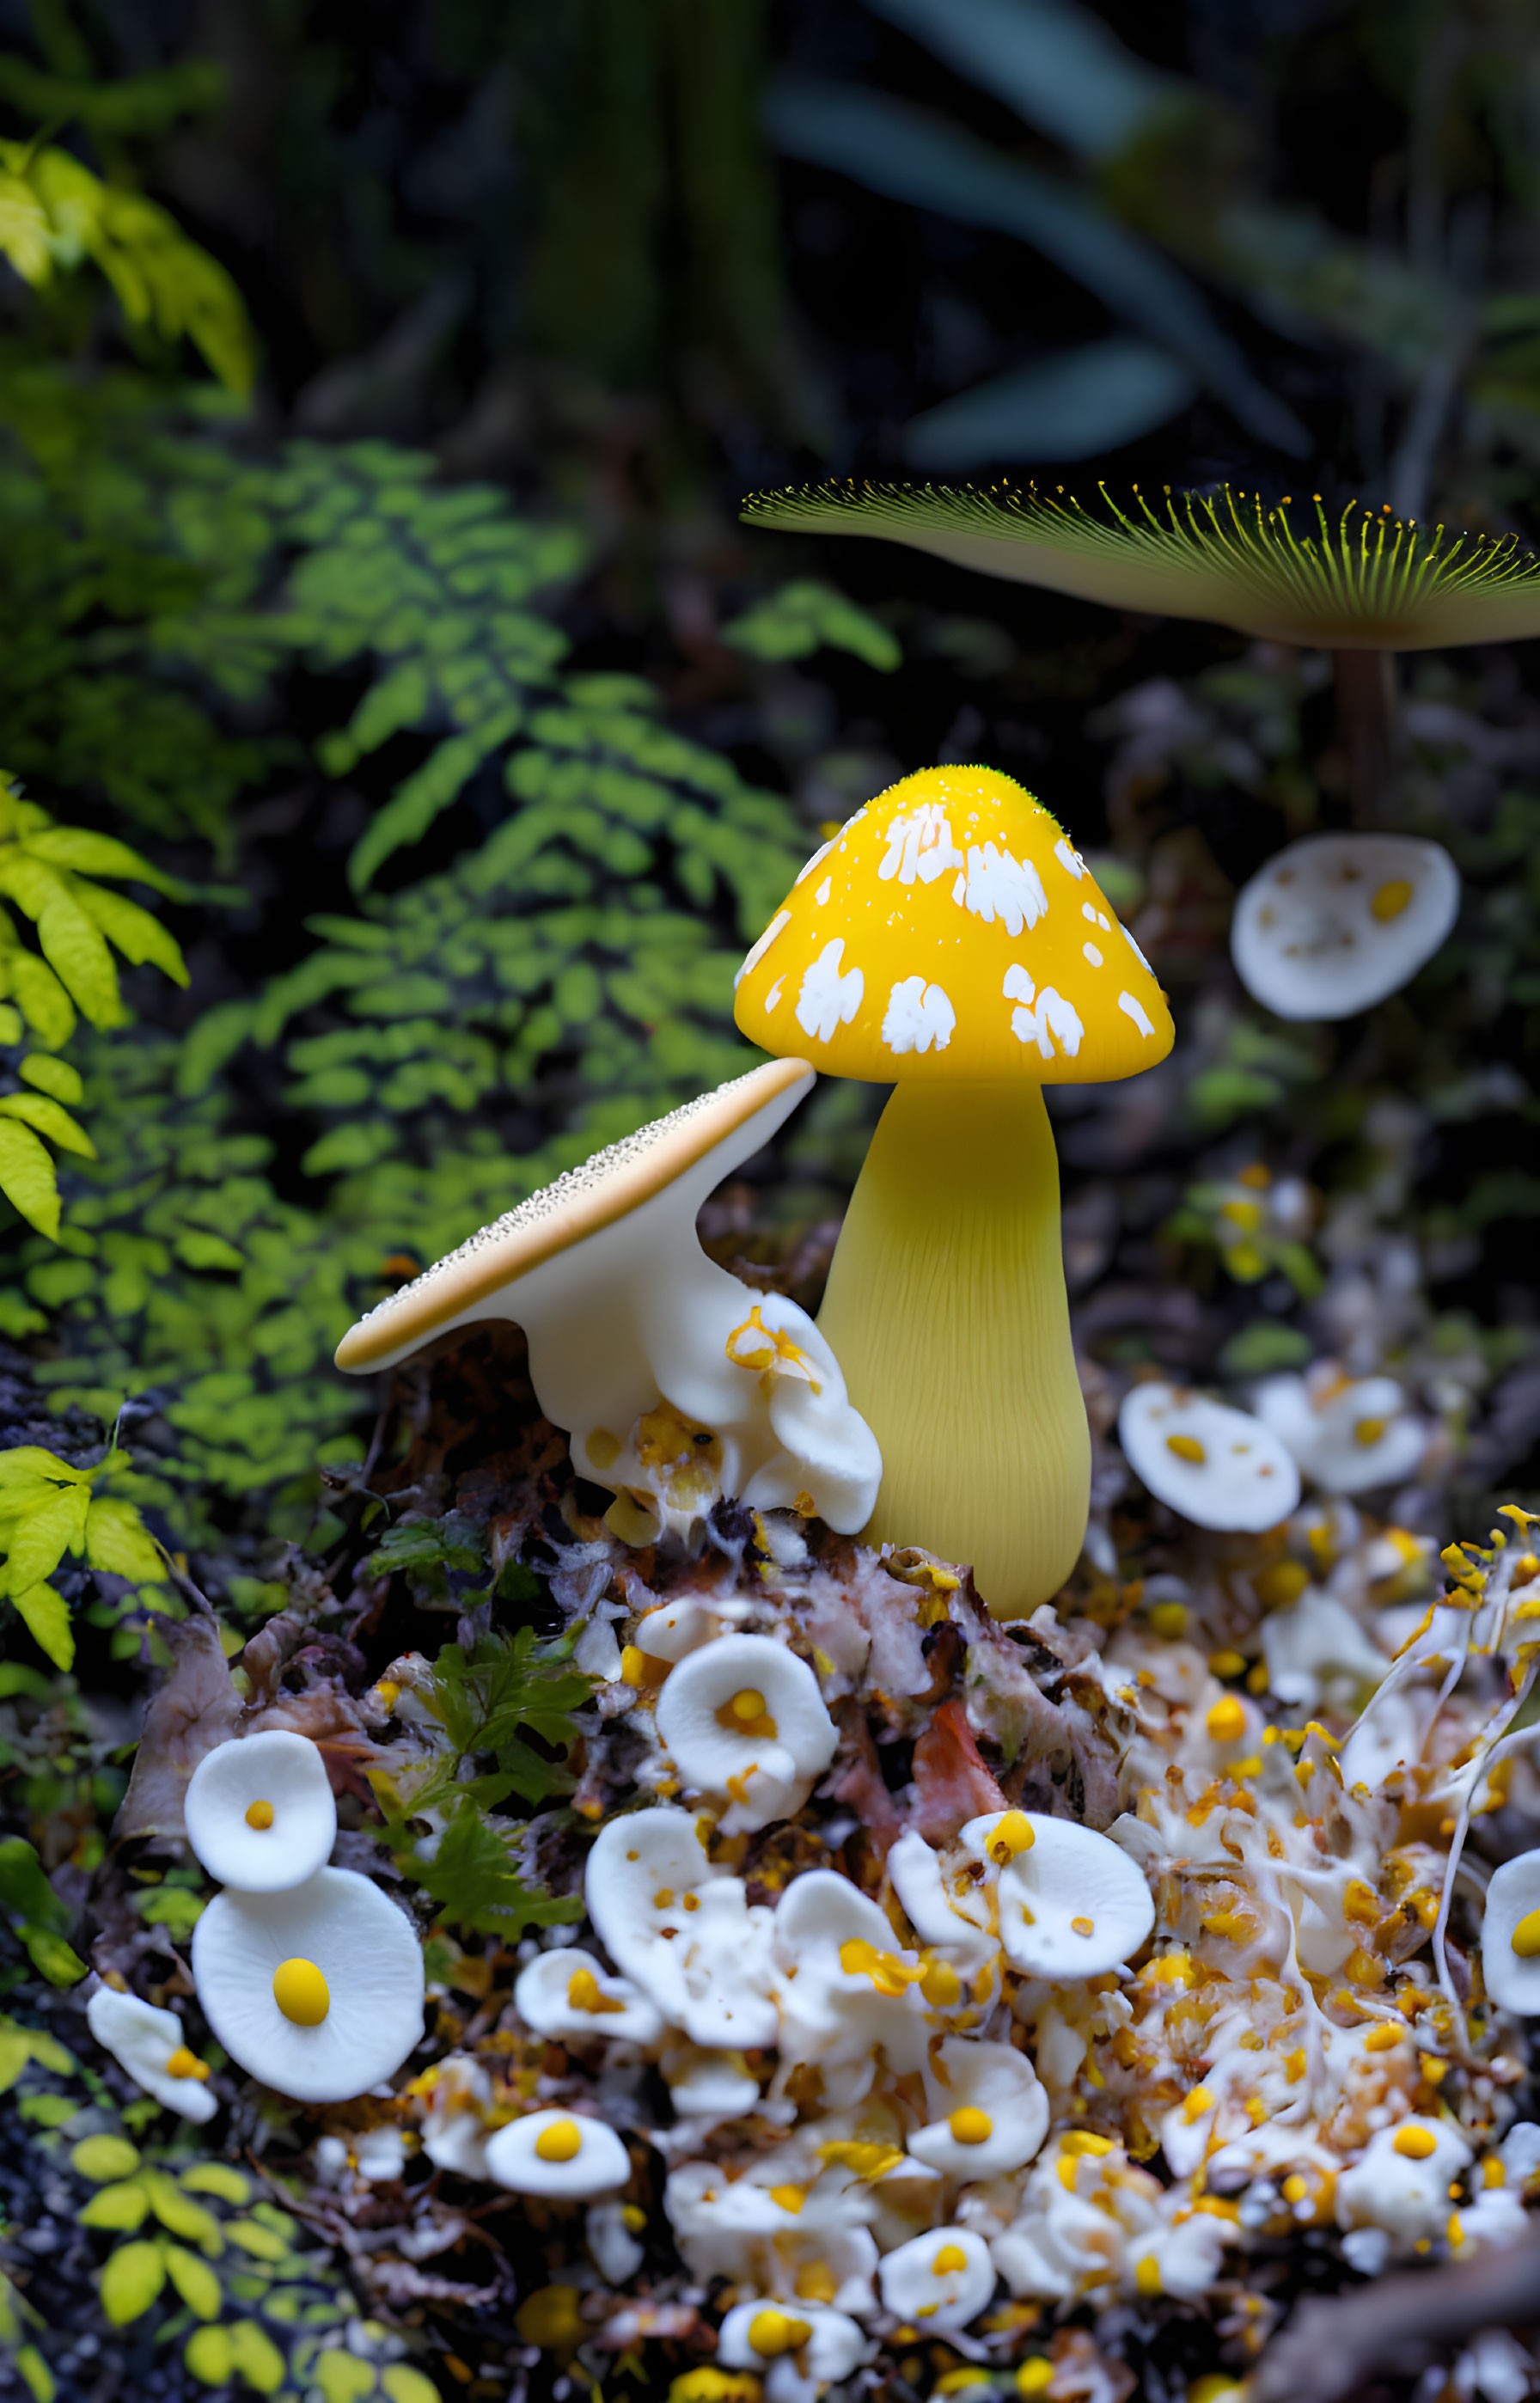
940,2281
675,1382
744,1721
1218,1466
988,2113
1510,1936
951,942
151,2045
259,1812
565,1993
1337,921
565,2155
315,1991
1348,1434
1072,1903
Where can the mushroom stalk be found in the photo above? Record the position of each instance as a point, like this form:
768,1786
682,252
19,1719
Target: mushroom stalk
947,1311
1367,727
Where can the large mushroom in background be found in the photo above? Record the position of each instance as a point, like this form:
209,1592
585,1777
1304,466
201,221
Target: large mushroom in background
1361,586
949,941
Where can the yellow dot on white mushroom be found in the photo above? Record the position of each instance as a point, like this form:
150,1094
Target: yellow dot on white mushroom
260,1815
1227,1720
1391,900
950,2259
301,1992
562,2141
941,1985
971,2126
1414,2144
1012,1835
776,2332
184,2063
1525,1938
747,1703
1368,1431
584,1993
790,2197
1186,1447
1084,1927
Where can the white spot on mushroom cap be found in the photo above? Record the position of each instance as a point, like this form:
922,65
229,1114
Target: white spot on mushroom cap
828,998
773,998
756,951
1044,1019
600,2165
1306,940
823,891
917,1015
1068,1873
1068,857
1136,1010
920,844
287,1773
145,2040
944,2299
996,885
1090,952
365,1947
808,865
1246,1478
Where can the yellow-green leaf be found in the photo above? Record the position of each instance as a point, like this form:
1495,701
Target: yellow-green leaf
51,1076
35,2375
27,1178
218,2178
99,855
99,2157
194,2280
30,1464
74,948
51,1957
45,1614
256,2357
137,935
50,1117
14,2053
133,2278
174,2209
24,230
342,2377
119,1541
260,2242
44,1003
122,2207
210,2354
404,2385
52,1526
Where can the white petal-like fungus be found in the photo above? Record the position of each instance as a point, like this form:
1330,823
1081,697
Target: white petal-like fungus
786,2228
1402,2182
937,1910
1337,922
567,1993
800,2348
675,1382
940,2281
708,2085
744,1718
259,1812
149,2044
562,2154
682,1929
989,2113
1312,1639
316,1991
1073,1905
459,2095
1217,1466
609,2239
1510,1936
1346,1436
847,1992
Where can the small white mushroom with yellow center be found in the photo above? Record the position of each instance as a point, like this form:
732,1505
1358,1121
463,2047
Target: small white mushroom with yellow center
459,2096
777,2226
1510,1936
1073,1905
1347,1435
317,1990
847,1992
799,2349
1401,2183
989,2113
744,1718
681,1928
942,1913
1337,922
565,1993
940,2281
674,1380
708,2085
149,2044
561,2154
259,1812
1219,1467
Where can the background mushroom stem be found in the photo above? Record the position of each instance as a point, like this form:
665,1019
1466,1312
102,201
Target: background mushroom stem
947,1311
1366,725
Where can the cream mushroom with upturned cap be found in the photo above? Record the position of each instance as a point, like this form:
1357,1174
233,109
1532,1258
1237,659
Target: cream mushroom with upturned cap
1337,921
1073,1905
1510,1936
949,939
940,2281
150,2045
259,1812
674,1380
742,1717
316,1991
800,2348
563,2155
1220,1467
1347,1435
682,1928
565,1993
989,2114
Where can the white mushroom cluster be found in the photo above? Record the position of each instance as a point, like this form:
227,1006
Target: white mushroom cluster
310,1976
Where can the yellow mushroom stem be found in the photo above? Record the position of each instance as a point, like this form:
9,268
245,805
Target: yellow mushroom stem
946,1310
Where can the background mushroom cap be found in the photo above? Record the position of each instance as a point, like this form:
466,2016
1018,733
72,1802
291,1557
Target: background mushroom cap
1337,922
950,931
602,1190
1358,580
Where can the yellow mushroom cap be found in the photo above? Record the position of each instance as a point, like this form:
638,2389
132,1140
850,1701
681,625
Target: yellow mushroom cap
950,930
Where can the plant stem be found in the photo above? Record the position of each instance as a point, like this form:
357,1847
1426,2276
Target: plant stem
1366,725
